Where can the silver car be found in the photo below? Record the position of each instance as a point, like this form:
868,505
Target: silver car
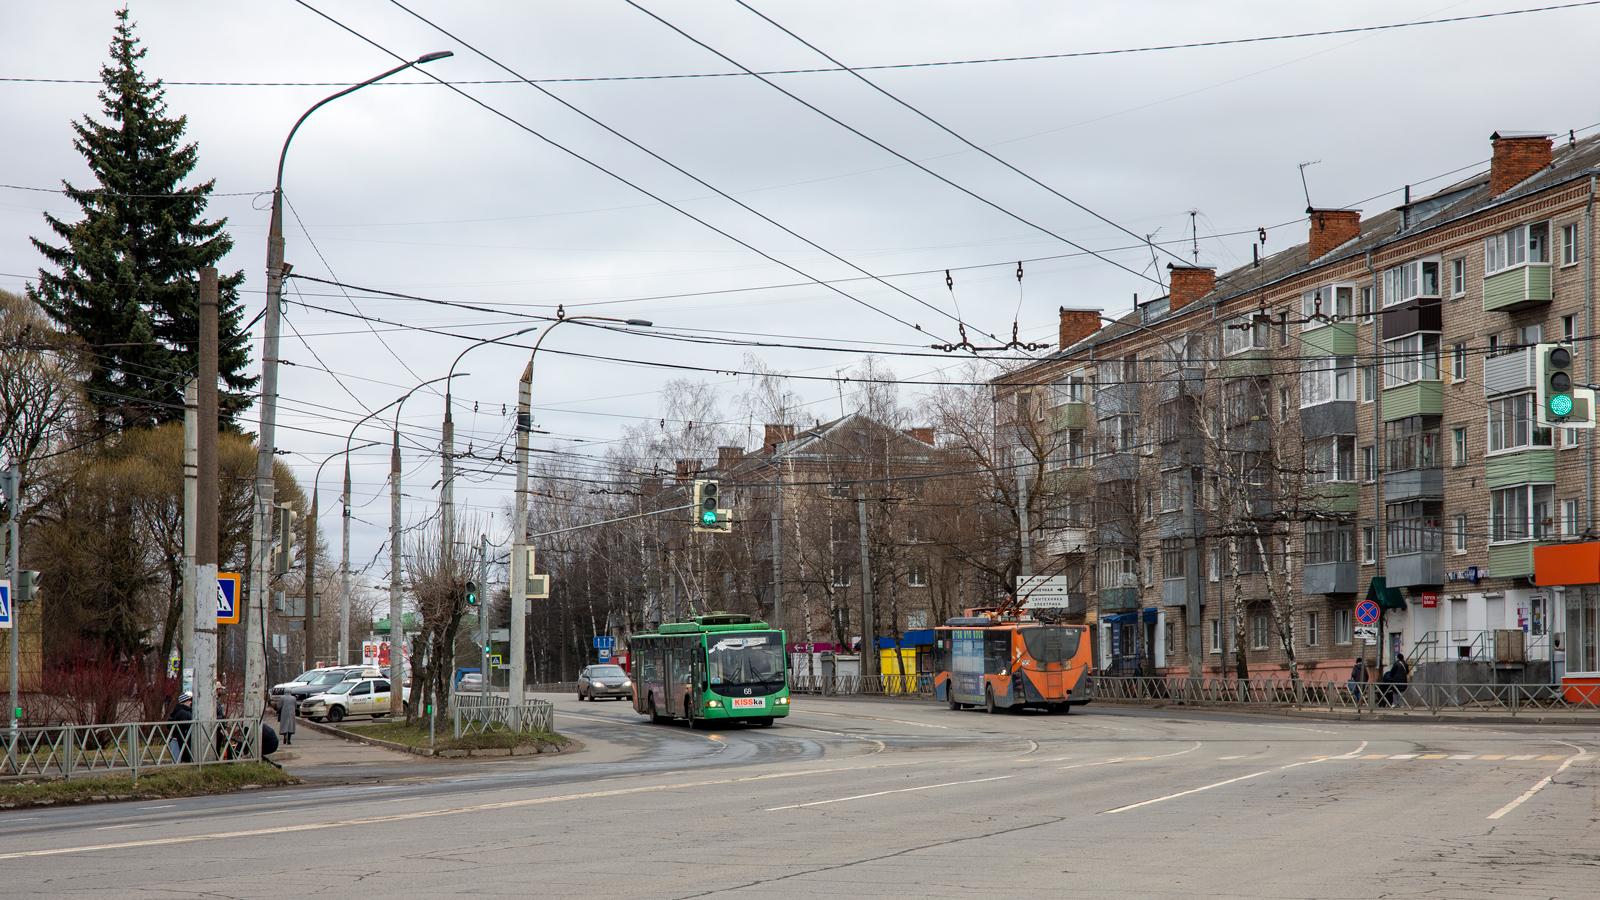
595,682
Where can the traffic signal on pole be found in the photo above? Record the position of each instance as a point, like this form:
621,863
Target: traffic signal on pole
28,585
472,594
283,555
709,516
1561,402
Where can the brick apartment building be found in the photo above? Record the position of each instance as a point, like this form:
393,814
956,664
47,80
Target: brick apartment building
1351,417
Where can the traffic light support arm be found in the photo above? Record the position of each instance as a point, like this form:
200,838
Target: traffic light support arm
609,521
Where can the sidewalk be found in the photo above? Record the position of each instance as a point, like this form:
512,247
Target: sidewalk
318,757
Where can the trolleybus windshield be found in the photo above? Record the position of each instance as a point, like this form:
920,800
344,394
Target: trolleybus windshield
745,658
1051,644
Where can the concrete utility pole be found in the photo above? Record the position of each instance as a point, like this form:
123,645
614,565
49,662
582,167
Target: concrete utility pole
13,481
869,625
191,501
311,580
519,546
483,611
205,547
396,632
344,573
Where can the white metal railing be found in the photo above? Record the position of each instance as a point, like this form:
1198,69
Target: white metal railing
1497,645
74,751
477,714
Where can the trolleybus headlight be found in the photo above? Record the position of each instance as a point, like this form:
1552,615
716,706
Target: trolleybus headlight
782,701
713,703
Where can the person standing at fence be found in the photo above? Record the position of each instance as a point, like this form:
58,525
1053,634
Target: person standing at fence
1358,679
288,706
1394,683
182,711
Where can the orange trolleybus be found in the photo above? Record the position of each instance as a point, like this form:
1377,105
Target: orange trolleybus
1001,661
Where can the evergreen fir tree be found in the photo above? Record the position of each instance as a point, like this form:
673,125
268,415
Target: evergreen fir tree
128,281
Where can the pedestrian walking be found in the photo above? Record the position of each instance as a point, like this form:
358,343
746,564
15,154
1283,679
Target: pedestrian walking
288,705
1394,682
182,711
1358,679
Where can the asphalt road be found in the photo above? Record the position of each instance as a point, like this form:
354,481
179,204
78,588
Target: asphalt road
883,799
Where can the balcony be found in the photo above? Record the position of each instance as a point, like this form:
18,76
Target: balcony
1513,290
1513,560
1115,600
1419,398
1532,465
1411,484
1509,373
1116,400
1172,593
1248,363
1414,569
1067,415
1329,578
1061,541
1420,314
1332,497
1324,419
1331,340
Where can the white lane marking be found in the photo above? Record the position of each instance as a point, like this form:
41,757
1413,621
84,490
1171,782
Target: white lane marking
1463,756
129,825
1526,795
814,712
428,814
854,737
1404,756
168,806
1185,793
926,787
1240,756
1525,756
1107,762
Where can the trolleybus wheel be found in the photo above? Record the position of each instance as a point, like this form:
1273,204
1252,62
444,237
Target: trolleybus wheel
655,717
988,700
951,691
688,712
764,721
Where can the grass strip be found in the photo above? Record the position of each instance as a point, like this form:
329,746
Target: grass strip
158,784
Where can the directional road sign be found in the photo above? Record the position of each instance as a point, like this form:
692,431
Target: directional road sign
1045,592
1366,612
228,594
5,604
604,641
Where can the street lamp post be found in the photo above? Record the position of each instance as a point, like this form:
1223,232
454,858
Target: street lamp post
519,533
311,557
261,530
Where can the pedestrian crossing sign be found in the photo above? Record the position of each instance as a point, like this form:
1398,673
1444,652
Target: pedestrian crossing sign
228,594
5,604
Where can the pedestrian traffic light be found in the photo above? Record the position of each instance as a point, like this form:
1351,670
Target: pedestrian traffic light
28,585
1561,402
472,593
708,514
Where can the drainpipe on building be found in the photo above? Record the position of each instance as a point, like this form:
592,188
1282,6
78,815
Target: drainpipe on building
1588,347
1379,533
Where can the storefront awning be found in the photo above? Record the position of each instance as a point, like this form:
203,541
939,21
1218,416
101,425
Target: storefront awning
1386,597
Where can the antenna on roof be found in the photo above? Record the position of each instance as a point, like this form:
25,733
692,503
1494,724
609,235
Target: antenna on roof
1194,236
1303,185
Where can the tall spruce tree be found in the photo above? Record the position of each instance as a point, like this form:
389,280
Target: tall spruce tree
128,279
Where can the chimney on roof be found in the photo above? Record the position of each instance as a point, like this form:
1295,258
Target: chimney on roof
727,458
924,435
776,434
1331,228
1076,324
1188,284
1515,158
681,476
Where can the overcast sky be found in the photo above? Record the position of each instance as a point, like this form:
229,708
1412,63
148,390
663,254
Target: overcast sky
410,187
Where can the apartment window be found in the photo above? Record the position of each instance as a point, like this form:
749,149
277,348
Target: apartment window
1329,542
1283,404
1149,505
1171,635
1068,390
1458,277
916,619
1118,569
1368,464
1259,630
1283,329
1366,305
1368,544
1326,379
1461,534
1331,458
1343,632
1245,333
1569,327
1172,489
1214,564
1570,438
1458,362
1494,345
1530,334
1412,443
1569,245
1569,518
1216,635
1149,570
1522,512
1369,384
1313,635
1413,526
1411,358
1458,445
841,576
1512,425
1333,301
1119,434
917,576
1173,559
1244,401
1410,281
1517,246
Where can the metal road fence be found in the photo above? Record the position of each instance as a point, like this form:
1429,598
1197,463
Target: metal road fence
136,748
913,685
1344,695
477,714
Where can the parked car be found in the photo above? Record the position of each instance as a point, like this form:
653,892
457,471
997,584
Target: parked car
319,680
471,682
363,697
595,682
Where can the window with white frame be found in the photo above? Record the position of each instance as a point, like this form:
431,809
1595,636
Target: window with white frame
841,576
1343,630
1172,484
1522,513
1214,564
1119,434
1411,358
1216,635
1569,518
1412,443
917,576
1515,247
1260,629
1460,531
1512,425
1458,362
1570,438
1335,301
1530,334
1368,545
1149,569
1369,384
1283,404
1331,458
1329,542
1569,244
1458,447
1118,569
1250,332
1569,327
1173,559
1313,635
1458,277
1413,526
1366,305
1369,465
1327,379
1069,389
1418,279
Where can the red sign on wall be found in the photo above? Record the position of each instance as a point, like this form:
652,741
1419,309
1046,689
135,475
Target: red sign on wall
1430,600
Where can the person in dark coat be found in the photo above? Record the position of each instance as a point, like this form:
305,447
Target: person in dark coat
1358,679
288,704
1394,682
182,711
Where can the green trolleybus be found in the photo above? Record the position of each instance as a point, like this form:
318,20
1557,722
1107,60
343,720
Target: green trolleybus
714,667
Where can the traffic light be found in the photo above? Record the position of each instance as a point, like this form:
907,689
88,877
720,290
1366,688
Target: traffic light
707,511
28,585
283,554
1561,403
472,594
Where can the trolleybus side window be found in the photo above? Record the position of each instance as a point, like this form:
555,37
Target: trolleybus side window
1051,644
941,652
650,662
996,651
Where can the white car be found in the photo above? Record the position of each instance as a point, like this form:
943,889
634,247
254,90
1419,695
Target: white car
367,697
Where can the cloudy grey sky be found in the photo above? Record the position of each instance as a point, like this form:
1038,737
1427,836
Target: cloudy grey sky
412,188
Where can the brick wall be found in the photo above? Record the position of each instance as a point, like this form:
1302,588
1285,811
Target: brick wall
1515,158
1331,228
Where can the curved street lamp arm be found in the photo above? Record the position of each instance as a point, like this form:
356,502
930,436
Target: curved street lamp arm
399,400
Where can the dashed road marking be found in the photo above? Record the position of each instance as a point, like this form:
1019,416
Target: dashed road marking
1434,756
1463,756
1404,756
1524,756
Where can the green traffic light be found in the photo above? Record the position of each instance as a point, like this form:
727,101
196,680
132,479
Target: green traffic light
1561,405
709,517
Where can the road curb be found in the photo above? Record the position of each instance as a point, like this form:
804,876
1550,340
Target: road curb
488,753
1348,716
